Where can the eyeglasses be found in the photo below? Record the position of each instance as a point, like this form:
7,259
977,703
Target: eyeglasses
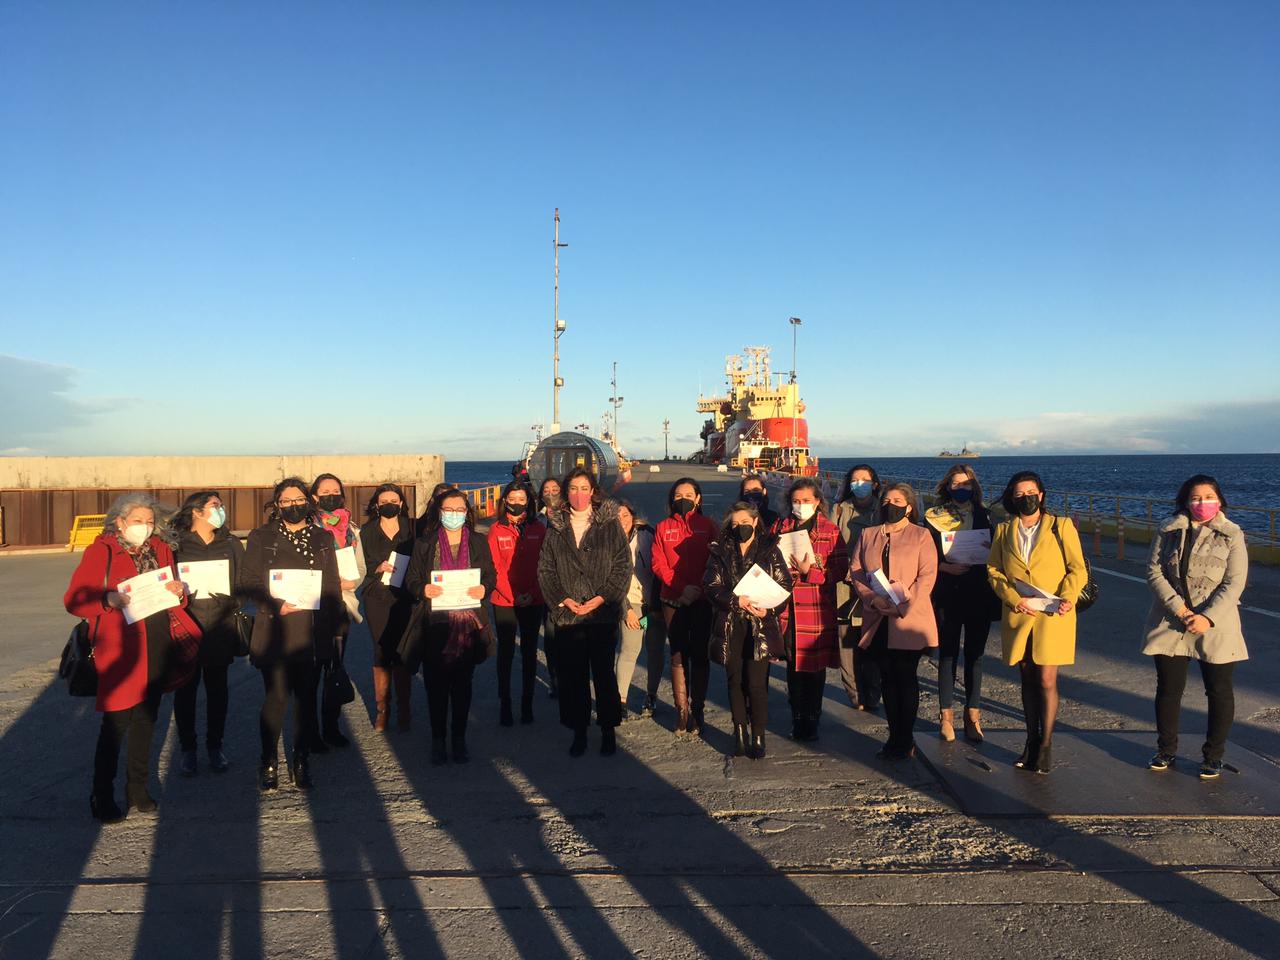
291,503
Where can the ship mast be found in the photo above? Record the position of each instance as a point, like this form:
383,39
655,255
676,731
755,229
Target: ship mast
795,328
617,402
557,329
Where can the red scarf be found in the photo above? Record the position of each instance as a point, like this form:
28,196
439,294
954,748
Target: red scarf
338,523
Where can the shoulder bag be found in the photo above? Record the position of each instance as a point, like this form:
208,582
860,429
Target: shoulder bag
1089,595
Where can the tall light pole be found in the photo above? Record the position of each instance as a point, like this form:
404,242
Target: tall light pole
557,381
795,400
666,429
617,402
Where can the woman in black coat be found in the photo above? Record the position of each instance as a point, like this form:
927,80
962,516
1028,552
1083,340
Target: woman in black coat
388,532
584,571
203,537
745,637
289,640
448,643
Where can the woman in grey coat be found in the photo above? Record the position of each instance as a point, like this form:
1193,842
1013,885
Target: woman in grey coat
1197,572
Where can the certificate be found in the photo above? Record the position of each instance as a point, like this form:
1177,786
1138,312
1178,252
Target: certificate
1035,598
298,587
455,583
761,589
395,578
206,578
347,568
880,584
796,546
148,593
970,547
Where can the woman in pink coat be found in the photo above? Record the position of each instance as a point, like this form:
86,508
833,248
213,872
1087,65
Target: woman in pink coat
896,631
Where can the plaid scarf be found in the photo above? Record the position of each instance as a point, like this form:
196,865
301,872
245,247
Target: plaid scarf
463,624
143,557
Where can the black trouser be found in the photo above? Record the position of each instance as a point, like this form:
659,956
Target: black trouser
952,620
216,699
506,620
299,679
858,670
901,693
748,681
549,646
448,695
1171,680
584,659
689,634
805,690
329,712
136,725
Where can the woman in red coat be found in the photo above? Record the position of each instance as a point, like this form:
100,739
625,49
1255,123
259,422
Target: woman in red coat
136,662
809,618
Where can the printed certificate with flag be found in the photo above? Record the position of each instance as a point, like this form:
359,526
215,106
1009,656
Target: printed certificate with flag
148,593
1035,598
456,583
796,546
206,578
761,589
395,578
298,587
970,547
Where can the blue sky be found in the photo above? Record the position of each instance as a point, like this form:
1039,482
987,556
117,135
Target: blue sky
321,227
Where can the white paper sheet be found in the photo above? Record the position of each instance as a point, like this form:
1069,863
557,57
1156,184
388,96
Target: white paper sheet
298,587
455,584
395,578
796,546
347,568
971,547
148,593
880,584
761,589
206,578
1035,598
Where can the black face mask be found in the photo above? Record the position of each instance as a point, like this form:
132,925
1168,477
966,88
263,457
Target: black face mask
295,513
1027,504
744,531
516,509
892,512
754,496
683,506
388,510
329,502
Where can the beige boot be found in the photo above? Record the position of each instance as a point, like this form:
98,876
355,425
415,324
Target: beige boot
973,724
947,726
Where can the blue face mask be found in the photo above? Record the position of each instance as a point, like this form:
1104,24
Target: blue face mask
860,489
961,494
453,520
217,517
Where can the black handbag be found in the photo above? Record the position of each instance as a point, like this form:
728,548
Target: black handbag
77,666
338,688
244,632
1089,595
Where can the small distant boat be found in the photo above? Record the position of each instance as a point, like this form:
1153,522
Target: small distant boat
964,454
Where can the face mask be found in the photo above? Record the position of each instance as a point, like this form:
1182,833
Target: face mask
453,519
892,512
217,517
136,534
388,510
861,489
330,502
744,531
551,500
682,506
1026,505
516,509
804,511
295,513
1203,512
754,496
580,500
961,494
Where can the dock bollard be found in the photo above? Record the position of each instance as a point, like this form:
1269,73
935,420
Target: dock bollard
1119,538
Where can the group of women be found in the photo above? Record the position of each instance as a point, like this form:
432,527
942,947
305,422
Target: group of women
872,592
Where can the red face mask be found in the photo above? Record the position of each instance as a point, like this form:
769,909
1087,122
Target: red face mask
580,500
1204,512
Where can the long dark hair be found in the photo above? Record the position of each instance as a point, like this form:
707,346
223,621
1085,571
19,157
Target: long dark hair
371,510
1006,498
431,519
671,494
1182,500
843,493
960,469
524,488
183,519
273,511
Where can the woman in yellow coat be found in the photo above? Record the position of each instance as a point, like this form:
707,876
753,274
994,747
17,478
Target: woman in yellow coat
1043,551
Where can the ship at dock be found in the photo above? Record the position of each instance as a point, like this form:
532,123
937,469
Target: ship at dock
964,454
759,424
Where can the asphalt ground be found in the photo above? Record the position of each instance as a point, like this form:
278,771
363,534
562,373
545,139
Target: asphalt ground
670,848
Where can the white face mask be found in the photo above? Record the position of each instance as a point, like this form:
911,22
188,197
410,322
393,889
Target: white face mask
136,534
803,511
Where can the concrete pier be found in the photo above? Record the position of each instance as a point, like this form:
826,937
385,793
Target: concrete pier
669,849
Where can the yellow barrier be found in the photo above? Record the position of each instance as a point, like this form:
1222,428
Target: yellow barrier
85,529
485,499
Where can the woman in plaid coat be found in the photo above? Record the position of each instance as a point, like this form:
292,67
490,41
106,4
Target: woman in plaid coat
809,617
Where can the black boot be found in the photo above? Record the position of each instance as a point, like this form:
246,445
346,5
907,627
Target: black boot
460,754
439,757
268,774
608,741
526,708
757,746
579,745
504,713
300,769
103,807
332,735
740,740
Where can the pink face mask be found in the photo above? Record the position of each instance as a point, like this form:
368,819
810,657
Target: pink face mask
580,500
1204,512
